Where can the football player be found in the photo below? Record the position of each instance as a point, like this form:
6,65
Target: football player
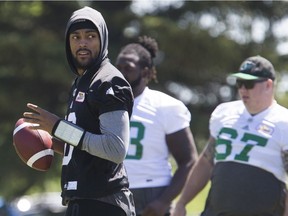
96,128
160,125
243,158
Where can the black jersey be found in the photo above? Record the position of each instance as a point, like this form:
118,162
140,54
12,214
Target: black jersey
101,89
255,198
85,175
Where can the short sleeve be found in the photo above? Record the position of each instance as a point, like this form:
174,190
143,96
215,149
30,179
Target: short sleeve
177,117
111,96
214,121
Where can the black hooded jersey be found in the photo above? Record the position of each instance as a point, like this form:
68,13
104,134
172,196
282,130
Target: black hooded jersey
101,89
85,175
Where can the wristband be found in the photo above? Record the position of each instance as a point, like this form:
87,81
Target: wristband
68,132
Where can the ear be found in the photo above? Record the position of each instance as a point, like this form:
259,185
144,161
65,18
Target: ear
145,73
270,83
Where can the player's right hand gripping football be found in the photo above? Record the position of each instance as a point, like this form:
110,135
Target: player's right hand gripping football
43,119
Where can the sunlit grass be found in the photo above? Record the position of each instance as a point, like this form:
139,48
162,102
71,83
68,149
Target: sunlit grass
196,206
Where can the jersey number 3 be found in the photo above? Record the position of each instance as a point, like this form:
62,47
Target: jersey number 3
136,141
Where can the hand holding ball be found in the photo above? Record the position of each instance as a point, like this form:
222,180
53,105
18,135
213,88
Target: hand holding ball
34,147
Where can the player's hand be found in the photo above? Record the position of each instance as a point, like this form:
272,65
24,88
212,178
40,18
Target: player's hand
155,208
42,119
178,210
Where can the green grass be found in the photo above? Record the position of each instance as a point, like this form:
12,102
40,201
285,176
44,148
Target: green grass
195,207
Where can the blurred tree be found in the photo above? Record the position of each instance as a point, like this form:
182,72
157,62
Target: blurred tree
203,41
31,70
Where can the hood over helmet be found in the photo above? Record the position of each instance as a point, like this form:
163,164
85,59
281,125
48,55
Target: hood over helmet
95,17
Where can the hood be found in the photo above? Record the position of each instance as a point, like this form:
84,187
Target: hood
95,17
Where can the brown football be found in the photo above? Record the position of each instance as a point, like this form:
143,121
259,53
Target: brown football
34,147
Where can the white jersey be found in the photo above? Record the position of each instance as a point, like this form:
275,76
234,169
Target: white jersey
154,115
254,140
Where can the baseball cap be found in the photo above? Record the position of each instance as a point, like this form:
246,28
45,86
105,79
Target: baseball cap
81,24
255,67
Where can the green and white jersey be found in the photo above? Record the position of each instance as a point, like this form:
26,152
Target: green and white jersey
253,140
154,115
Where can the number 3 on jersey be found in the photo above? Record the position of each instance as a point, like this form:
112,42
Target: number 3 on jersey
135,141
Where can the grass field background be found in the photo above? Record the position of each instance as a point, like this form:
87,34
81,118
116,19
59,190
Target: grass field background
196,206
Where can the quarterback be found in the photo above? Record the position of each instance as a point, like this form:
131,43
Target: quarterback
95,129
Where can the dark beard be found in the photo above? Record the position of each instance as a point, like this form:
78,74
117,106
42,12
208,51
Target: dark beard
82,66
136,82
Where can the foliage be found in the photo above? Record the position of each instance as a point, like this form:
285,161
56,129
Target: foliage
192,64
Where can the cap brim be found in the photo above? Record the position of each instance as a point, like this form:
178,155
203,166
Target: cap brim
245,76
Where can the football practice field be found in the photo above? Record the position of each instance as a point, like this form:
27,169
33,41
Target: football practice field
195,207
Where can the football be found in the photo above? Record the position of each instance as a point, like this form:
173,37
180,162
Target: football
34,147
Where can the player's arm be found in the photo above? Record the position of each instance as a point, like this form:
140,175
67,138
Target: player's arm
113,99
182,147
58,146
111,145
198,178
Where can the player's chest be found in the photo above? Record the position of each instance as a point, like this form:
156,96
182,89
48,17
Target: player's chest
238,138
242,124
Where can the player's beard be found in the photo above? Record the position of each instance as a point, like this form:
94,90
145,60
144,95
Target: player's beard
83,66
136,82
